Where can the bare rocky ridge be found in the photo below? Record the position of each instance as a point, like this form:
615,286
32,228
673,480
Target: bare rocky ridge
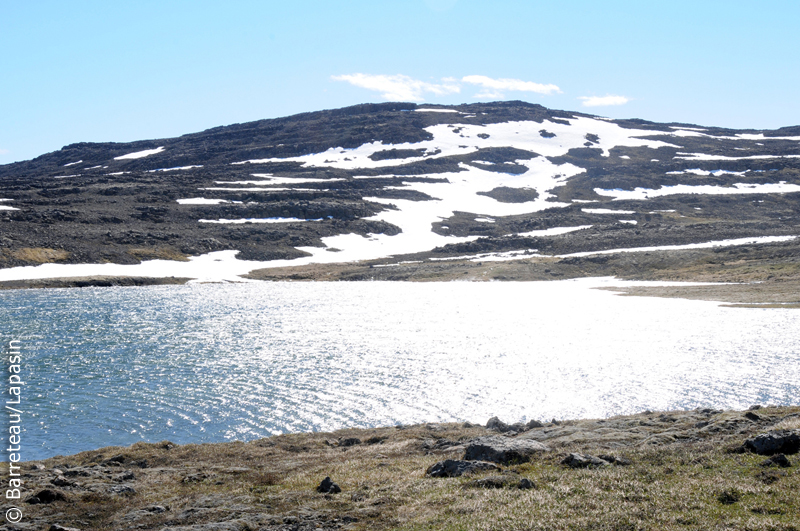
88,203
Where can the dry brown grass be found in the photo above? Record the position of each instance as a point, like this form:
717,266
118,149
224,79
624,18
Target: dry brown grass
158,253
39,255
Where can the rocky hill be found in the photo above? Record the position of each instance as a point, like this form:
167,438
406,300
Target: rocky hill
398,191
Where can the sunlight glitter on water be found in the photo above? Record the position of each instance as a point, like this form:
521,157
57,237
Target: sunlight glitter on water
221,362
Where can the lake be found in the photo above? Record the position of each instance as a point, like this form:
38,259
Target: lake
219,362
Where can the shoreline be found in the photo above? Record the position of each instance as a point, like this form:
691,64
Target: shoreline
655,470
755,276
754,294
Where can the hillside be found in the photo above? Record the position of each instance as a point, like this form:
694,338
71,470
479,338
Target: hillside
690,470
399,191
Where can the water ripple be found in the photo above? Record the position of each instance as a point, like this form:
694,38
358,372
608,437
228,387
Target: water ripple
221,362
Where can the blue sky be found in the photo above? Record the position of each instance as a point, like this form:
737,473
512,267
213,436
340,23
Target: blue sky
120,71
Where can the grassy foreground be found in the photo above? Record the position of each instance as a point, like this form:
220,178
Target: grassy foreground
684,473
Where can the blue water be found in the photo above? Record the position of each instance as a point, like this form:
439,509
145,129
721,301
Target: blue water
216,362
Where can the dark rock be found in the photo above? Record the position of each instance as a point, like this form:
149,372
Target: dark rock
729,497
752,416
526,484
122,490
754,407
492,482
777,460
503,450
451,468
575,460
46,496
774,442
496,424
62,482
125,476
350,441
328,487
615,460
440,444
77,472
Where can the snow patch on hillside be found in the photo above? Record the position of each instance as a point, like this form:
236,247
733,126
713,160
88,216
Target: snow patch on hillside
256,220
703,189
175,169
606,211
140,154
555,231
705,245
704,156
203,201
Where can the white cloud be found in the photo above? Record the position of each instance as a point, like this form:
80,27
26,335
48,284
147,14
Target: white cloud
405,88
603,101
399,87
4,151
493,87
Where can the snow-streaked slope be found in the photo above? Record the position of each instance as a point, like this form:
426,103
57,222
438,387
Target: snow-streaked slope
458,192
461,139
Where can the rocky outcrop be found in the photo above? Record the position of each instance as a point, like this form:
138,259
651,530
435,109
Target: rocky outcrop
452,468
503,450
774,442
575,460
498,425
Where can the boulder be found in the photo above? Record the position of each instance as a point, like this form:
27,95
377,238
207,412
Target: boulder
122,490
496,424
774,442
614,460
46,496
328,487
503,450
574,460
451,468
